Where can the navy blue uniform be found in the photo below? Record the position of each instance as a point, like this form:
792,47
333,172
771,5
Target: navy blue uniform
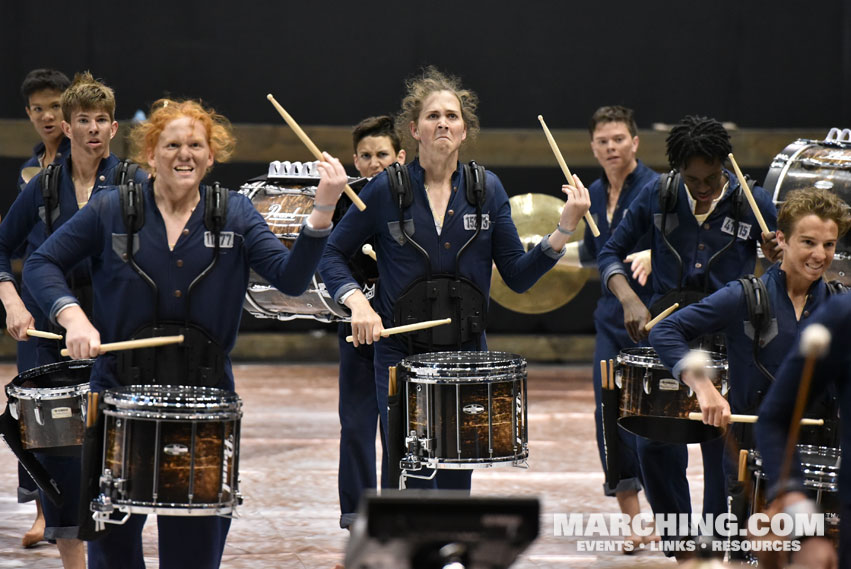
664,465
399,264
726,311
119,290
608,317
24,226
833,370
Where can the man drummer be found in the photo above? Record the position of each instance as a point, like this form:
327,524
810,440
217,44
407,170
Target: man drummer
614,143
832,370
809,224
702,235
88,108
376,146
41,91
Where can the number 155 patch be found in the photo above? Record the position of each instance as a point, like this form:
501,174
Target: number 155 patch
470,221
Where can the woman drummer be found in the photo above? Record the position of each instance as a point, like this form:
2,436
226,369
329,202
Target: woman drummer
440,225
182,231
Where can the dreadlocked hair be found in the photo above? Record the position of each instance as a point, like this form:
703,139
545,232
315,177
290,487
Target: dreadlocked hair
697,136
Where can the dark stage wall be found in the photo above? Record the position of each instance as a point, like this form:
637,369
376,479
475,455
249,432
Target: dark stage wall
758,64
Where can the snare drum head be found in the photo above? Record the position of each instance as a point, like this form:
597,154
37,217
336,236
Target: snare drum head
176,399
456,367
56,375
809,163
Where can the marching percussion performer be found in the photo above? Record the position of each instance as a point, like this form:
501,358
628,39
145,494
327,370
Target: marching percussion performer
163,253
830,369
438,225
614,142
702,235
41,91
376,145
49,200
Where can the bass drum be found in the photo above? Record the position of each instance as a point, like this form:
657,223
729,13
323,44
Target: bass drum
822,164
285,199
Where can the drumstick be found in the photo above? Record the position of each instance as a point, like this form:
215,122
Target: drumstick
312,147
697,416
611,374
409,328
369,251
46,335
743,465
662,315
92,409
560,159
391,386
748,194
604,375
135,344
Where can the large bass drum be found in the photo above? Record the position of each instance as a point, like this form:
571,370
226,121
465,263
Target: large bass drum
822,164
285,199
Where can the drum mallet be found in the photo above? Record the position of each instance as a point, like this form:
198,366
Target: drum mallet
409,328
312,147
661,316
697,416
369,251
136,344
560,159
46,335
744,183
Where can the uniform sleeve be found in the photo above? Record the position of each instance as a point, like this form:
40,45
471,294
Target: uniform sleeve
713,314
635,224
17,225
779,403
79,238
519,269
353,229
288,271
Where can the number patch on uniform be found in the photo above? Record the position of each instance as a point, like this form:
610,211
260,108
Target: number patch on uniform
729,226
470,221
225,240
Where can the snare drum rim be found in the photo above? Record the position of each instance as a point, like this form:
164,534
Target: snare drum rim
160,399
460,367
639,357
196,416
46,393
15,389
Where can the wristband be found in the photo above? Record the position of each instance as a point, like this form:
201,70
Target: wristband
564,231
319,207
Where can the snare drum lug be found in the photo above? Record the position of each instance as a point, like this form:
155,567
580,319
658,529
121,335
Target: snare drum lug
13,408
619,378
646,381
39,416
725,387
690,392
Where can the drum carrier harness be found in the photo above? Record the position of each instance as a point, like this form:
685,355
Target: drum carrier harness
668,196
441,295
199,360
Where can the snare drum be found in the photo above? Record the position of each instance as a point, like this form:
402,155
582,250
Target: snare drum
49,403
170,450
465,409
823,164
285,206
655,405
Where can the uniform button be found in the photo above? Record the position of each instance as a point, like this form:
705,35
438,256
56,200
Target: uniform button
446,245
124,256
701,246
179,262
806,312
177,293
102,178
698,265
454,188
451,212
186,232
706,226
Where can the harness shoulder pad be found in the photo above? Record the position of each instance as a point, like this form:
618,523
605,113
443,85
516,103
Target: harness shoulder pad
400,185
132,201
474,180
50,192
215,207
669,183
756,298
125,172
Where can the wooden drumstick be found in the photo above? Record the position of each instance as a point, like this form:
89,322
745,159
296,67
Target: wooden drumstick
136,344
743,465
697,416
611,374
312,147
92,409
391,385
748,194
604,375
661,316
409,328
560,159
369,251
45,335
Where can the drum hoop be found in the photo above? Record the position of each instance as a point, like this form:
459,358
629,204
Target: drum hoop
337,314
454,362
217,415
180,399
170,509
448,380
625,357
47,393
